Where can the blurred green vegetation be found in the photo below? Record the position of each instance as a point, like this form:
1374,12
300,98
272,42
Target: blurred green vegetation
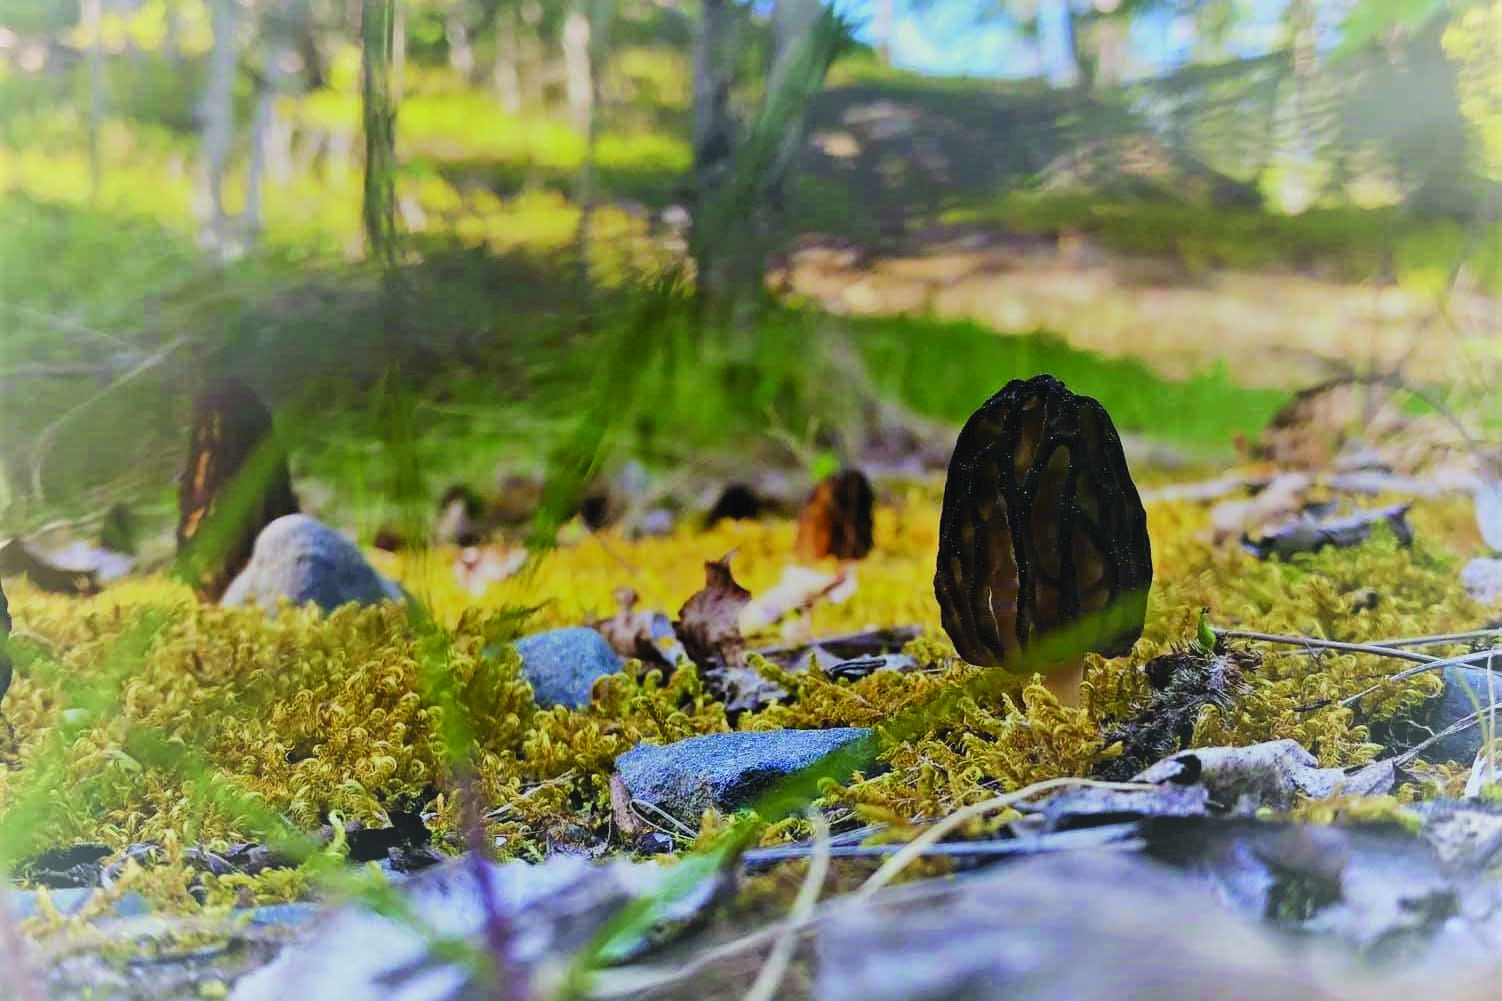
110,307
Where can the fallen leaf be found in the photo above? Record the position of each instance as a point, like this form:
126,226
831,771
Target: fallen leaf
799,590
478,567
637,634
708,623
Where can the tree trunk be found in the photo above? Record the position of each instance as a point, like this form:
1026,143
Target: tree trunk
507,72
279,45
577,64
596,25
714,138
91,12
533,56
218,114
883,21
172,31
798,66
461,52
378,36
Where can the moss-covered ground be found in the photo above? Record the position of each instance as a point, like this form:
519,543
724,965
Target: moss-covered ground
139,716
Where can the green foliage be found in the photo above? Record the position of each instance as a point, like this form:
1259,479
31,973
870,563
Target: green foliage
949,369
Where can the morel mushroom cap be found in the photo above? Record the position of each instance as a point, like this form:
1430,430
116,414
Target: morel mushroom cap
1041,527
836,521
231,427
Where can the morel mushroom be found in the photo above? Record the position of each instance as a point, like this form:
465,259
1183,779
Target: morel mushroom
837,521
1042,534
232,434
5,670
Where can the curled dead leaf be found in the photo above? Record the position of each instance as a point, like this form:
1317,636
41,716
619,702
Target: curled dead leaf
708,623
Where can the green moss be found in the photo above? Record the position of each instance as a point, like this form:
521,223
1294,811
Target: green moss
305,715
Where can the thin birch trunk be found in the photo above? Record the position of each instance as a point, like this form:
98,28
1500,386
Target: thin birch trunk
93,15
218,112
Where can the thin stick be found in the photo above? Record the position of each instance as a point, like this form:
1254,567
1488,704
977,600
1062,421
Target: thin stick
1443,639
764,987
1319,644
637,805
1465,660
1459,726
919,845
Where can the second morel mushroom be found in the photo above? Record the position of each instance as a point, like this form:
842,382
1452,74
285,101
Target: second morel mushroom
1042,535
232,450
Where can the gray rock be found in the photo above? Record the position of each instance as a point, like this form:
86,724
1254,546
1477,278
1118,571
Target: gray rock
1465,691
71,900
299,558
729,770
1272,774
1087,927
1466,836
1489,506
1090,806
1482,579
562,665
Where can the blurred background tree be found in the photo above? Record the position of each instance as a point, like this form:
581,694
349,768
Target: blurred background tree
188,185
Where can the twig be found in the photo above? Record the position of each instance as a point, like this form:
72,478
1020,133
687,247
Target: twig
1464,660
764,987
506,808
683,829
1459,726
919,845
1319,644
1443,639
1106,836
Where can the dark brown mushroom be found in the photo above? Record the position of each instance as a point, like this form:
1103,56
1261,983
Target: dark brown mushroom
232,435
1042,534
5,670
836,521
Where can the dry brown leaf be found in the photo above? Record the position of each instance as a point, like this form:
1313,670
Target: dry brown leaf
631,633
708,623
799,590
478,567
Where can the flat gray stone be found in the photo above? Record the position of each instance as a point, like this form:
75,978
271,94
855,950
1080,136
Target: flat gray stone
562,665
1272,774
727,770
303,560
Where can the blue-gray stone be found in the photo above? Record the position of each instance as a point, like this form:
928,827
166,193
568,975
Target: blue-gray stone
70,900
730,770
299,558
561,665
1465,691
288,915
1482,579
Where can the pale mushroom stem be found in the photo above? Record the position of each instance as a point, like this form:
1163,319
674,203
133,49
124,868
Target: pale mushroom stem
1064,682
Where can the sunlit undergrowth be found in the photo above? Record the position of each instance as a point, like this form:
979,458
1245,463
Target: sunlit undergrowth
310,715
